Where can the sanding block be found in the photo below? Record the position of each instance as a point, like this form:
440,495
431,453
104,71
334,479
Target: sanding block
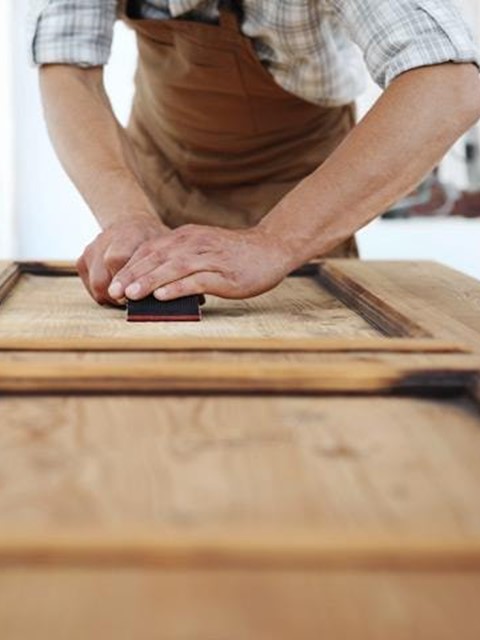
150,309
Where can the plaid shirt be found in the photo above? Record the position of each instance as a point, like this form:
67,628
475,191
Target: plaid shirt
313,48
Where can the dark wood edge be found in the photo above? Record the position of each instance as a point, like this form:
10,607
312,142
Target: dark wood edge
9,276
373,309
445,374
60,267
11,273
49,268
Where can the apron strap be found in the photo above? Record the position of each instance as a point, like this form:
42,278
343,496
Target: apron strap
231,14
130,8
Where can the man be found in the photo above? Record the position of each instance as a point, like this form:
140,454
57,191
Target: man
241,160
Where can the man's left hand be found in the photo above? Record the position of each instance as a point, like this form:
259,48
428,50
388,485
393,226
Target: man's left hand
197,259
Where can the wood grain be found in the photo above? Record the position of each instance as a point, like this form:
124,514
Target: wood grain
436,300
216,605
42,307
105,465
307,550
441,373
310,512
235,344
10,273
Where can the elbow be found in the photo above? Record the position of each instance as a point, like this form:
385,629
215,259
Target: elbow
59,75
474,110
467,96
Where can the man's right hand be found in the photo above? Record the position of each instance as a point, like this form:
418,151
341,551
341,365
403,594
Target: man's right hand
112,249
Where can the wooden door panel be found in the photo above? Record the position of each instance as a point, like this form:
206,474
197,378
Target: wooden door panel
57,306
386,467
437,301
293,494
230,517
45,309
145,604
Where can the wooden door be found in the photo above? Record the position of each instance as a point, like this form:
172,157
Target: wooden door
301,465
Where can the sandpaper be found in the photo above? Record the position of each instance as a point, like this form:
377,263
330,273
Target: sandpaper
150,309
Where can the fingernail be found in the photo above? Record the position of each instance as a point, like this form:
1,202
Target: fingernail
115,290
133,290
160,294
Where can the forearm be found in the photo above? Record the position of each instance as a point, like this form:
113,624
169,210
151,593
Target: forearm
405,134
91,144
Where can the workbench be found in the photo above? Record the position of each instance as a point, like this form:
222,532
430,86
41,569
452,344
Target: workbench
301,465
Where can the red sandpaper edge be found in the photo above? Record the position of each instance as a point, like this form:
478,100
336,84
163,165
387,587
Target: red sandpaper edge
155,318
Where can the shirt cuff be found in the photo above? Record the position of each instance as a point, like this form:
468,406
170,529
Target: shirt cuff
440,36
62,32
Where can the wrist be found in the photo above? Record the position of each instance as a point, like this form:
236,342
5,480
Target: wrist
130,216
279,246
294,242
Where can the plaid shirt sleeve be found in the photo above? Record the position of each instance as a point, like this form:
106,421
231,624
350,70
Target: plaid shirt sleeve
71,32
398,35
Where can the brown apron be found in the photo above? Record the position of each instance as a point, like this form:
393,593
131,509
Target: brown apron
218,141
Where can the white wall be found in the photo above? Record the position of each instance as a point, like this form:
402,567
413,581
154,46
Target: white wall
455,242
6,138
52,220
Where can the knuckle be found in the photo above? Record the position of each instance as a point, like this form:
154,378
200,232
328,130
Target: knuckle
115,259
80,265
187,228
158,254
187,232
142,251
233,276
148,282
178,289
181,264
88,252
97,294
150,248
98,287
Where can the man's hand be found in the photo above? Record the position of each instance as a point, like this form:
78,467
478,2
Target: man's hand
198,259
112,249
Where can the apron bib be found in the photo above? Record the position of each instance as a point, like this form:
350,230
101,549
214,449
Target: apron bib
217,140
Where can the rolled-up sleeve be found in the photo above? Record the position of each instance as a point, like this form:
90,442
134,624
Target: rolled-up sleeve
406,34
77,32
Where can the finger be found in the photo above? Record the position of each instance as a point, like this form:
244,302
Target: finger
151,254
119,253
196,284
172,271
136,274
84,272
99,280
123,247
135,269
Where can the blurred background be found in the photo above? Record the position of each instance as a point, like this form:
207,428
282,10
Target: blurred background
42,216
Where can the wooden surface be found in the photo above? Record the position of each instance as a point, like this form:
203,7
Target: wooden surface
434,373
59,307
122,604
227,462
437,301
327,509
46,308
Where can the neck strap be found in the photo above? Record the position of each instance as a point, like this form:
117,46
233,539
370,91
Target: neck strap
231,14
